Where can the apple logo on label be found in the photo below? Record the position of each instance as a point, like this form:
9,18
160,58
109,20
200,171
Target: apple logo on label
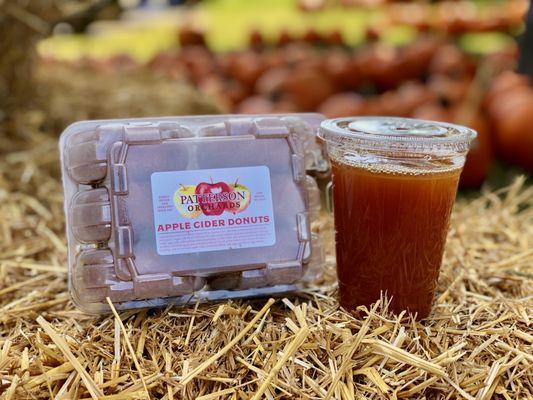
244,197
186,209
217,207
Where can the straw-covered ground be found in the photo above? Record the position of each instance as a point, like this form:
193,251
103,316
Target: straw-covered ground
476,345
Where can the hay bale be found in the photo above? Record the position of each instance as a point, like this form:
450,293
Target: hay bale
23,24
70,94
21,28
476,345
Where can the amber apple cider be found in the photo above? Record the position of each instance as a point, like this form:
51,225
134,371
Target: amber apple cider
391,229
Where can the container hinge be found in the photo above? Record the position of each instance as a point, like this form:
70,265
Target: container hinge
119,179
269,128
239,126
298,167
304,231
124,241
141,133
284,272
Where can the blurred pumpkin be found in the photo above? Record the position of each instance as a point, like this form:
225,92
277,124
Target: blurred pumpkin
411,95
198,61
412,61
227,92
284,106
255,105
504,82
284,38
191,36
235,92
272,82
387,104
308,87
450,61
511,115
504,59
337,65
246,67
163,61
273,58
343,105
375,64
256,40
449,90
295,53
334,38
432,112
213,85
372,34
480,156
314,62
311,36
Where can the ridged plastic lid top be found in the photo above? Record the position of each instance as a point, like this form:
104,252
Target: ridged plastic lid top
393,132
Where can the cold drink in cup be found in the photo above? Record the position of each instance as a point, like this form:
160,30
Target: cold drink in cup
394,185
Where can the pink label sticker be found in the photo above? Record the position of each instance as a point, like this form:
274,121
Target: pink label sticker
212,209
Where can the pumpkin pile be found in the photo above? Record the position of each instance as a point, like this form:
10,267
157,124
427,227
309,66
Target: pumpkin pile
430,78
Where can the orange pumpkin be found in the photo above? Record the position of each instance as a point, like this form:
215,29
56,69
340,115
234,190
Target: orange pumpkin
343,105
511,114
432,112
504,82
246,67
308,87
255,105
480,156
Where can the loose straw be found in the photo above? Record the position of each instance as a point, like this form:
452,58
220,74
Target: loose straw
93,389
128,343
191,375
289,350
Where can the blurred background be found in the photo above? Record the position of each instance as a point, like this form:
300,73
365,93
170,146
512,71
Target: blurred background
467,62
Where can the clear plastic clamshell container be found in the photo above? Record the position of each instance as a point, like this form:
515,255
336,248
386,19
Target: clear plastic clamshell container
175,210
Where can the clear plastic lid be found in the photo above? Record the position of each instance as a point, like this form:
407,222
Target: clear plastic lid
393,133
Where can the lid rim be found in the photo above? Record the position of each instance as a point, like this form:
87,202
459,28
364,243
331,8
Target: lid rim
331,131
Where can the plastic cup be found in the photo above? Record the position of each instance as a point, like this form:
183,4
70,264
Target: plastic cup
394,185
